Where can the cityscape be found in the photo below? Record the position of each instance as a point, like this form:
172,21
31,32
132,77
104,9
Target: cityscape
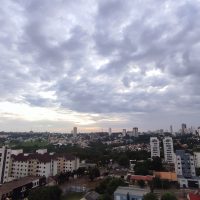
140,165
99,100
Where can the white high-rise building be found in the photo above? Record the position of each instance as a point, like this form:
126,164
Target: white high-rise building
109,131
5,162
75,131
198,130
124,132
155,147
135,132
197,159
171,129
168,149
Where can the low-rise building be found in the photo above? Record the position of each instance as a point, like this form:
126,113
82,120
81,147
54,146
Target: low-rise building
130,193
170,176
18,189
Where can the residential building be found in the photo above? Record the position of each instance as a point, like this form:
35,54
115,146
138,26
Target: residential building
184,164
19,189
5,158
75,130
155,147
124,132
185,170
171,129
109,131
197,159
183,129
198,131
67,163
168,149
135,132
41,163
122,193
33,165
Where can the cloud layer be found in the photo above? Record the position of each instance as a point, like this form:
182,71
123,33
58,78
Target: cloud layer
112,63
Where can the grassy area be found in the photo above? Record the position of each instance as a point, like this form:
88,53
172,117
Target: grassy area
73,196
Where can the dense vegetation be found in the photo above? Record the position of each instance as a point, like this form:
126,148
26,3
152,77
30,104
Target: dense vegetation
44,193
107,187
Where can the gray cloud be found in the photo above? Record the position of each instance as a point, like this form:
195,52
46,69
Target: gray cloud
105,57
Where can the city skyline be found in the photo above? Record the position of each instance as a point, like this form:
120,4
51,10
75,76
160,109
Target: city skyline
99,64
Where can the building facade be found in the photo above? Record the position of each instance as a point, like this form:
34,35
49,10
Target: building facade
135,132
19,165
5,155
109,131
155,147
124,193
67,163
75,130
19,189
184,164
197,159
168,149
124,132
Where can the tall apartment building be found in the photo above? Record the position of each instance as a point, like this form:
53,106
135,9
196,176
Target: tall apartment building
168,149
75,130
135,132
5,155
184,164
171,129
109,131
124,132
183,128
155,147
198,131
197,159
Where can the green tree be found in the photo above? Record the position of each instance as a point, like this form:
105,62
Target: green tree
105,197
123,160
156,164
168,196
150,196
109,185
141,168
93,173
80,171
165,184
157,183
44,193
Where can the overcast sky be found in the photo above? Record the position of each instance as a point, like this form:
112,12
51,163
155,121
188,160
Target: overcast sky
99,63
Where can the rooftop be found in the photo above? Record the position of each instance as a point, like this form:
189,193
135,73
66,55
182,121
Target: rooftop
7,187
132,191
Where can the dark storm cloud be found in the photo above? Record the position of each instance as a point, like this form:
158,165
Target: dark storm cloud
101,56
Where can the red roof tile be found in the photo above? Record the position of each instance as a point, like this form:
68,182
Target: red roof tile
139,177
192,196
